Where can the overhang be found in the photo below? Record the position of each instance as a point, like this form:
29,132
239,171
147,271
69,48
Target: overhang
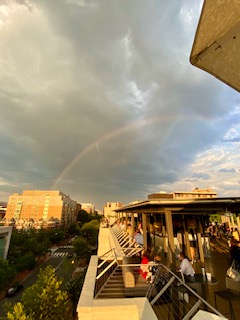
193,206
216,45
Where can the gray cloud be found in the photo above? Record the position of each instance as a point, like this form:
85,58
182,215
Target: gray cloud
108,84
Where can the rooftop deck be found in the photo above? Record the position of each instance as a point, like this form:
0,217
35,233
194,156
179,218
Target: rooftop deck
108,287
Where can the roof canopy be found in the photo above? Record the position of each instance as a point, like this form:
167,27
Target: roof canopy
216,47
193,206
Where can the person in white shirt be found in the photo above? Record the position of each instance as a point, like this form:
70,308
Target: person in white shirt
186,267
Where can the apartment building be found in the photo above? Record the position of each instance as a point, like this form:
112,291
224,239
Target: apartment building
39,208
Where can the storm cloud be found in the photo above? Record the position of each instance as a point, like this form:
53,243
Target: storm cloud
98,99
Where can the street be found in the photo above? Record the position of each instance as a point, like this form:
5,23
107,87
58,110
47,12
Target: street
55,260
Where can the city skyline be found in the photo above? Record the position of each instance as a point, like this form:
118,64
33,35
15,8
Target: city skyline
99,100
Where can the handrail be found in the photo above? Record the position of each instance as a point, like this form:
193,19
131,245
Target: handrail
106,269
200,300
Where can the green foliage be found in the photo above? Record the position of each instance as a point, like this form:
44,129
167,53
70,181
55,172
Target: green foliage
18,313
83,216
7,273
80,247
73,229
74,288
25,262
55,235
215,218
45,299
90,232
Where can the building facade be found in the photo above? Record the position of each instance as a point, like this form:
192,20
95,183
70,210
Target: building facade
109,210
5,237
3,209
40,208
180,195
88,207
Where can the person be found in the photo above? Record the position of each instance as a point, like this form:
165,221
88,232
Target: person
139,228
152,268
235,251
186,268
138,237
144,264
235,234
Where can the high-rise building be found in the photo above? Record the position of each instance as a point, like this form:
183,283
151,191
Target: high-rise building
38,208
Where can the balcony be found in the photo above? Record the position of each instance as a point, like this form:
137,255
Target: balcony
115,289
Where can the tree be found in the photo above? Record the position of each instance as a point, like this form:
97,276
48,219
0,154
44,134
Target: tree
26,262
56,235
7,273
83,216
18,313
90,231
80,247
74,288
45,299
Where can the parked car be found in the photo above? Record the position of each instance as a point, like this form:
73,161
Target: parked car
14,290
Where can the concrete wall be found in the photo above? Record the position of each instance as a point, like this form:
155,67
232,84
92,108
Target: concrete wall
89,308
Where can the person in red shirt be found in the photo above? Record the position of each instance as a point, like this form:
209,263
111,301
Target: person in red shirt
144,265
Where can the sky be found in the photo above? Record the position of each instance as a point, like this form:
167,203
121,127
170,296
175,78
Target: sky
98,99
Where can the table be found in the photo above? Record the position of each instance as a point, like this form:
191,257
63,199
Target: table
199,283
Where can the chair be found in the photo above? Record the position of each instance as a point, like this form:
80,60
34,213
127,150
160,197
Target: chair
228,296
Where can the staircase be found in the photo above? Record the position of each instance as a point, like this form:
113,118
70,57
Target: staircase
114,286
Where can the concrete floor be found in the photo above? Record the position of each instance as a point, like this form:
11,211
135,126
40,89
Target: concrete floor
217,265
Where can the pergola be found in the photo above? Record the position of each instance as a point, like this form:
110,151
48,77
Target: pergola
198,207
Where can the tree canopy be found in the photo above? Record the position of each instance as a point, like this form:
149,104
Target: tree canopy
43,300
7,272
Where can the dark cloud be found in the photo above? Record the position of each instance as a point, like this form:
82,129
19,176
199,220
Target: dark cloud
225,170
201,176
99,99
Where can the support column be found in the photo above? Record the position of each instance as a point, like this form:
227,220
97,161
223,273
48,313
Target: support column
238,224
171,251
187,242
132,225
232,220
144,226
199,239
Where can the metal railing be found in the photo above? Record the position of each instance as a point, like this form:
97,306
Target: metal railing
129,246
104,270
171,298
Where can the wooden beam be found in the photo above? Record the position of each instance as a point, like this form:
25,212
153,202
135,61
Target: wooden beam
144,226
187,242
238,224
199,240
132,225
171,249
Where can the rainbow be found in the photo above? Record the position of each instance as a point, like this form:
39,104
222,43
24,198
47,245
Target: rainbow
112,134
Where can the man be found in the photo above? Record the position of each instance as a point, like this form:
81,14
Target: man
186,268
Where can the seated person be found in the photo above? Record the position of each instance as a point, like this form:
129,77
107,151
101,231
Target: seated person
144,264
152,268
186,268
